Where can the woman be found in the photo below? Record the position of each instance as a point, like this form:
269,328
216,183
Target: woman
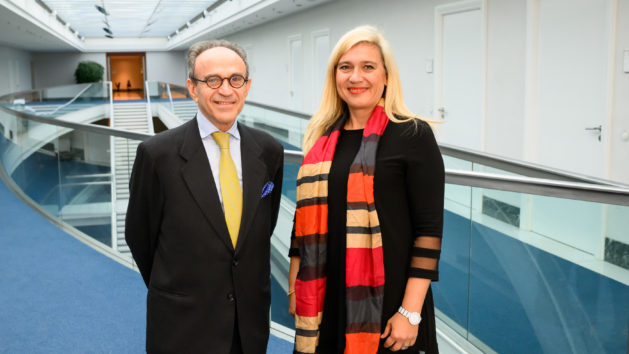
367,233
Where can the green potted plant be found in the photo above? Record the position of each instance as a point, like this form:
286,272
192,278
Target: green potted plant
90,72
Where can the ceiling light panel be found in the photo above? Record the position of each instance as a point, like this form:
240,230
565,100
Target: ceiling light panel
139,18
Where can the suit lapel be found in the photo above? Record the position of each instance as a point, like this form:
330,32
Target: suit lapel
197,175
254,175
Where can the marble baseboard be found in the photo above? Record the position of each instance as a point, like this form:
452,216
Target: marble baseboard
502,211
617,253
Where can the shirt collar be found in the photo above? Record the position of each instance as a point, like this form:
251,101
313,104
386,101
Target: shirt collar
206,128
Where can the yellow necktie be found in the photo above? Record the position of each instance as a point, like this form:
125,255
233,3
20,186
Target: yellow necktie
230,187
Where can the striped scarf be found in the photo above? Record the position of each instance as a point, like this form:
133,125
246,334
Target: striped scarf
364,269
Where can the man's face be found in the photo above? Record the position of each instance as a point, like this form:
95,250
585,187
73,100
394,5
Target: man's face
222,105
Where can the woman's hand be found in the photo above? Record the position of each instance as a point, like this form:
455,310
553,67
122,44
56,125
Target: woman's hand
401,333
292,304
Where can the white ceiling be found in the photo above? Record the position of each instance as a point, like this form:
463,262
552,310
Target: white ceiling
18,32
137,25
137,18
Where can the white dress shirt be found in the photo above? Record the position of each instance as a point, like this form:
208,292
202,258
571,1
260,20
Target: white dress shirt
213,151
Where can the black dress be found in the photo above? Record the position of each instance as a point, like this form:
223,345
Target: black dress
408,191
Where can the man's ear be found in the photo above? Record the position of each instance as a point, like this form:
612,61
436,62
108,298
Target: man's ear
192,89
247,87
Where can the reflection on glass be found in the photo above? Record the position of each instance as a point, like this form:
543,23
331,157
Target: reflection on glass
451,291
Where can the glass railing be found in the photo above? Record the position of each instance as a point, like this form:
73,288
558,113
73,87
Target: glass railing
528,265
65,170
60,100
172,103
537,275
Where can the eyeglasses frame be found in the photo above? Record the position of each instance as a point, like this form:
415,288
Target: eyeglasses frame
246,79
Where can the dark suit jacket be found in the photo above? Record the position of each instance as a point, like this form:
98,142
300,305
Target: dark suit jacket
176,230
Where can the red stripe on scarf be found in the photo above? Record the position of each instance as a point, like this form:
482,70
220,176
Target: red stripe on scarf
319,152
363,267
310,299
379,123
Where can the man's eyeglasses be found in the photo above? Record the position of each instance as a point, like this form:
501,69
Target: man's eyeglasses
215,81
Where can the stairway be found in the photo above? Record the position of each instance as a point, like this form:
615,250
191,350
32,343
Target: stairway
132,117
185,109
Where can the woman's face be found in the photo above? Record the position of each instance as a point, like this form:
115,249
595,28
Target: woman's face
361,77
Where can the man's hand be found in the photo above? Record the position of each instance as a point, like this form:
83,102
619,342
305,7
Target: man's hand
401,333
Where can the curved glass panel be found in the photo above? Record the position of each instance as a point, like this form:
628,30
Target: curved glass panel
523,273
59,101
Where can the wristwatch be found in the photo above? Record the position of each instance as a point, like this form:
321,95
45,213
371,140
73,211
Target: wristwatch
413,317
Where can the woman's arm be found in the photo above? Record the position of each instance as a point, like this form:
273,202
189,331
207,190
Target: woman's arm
425,188
292,276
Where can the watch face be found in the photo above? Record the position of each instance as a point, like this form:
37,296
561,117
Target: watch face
414,318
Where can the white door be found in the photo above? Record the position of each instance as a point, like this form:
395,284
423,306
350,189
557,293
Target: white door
459,83
296,73
321,52
573,76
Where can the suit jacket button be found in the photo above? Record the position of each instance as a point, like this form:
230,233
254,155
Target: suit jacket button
230,297
235,262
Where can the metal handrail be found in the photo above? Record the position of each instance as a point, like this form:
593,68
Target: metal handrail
170,98
92,128
148,94
149,111
289,112
520,167
69,102
528,185
111,102
538,186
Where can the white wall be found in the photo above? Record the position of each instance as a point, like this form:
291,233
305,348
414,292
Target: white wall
506,64
57,69
409,29
15,71
619,155
167,67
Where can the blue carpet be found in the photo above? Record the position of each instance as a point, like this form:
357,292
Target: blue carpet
60,296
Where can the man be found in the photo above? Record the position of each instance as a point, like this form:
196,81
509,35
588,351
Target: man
204,202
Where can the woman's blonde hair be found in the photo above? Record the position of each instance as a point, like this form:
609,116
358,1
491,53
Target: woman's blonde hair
332,106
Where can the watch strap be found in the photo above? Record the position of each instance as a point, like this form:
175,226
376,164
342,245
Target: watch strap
409,315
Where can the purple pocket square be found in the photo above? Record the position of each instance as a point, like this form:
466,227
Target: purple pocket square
267,189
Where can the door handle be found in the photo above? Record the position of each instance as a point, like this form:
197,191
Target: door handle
598,130
442,112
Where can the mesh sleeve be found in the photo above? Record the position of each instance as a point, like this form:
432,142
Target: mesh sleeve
425,182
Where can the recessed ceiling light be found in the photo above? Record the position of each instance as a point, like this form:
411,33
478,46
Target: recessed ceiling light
102,10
